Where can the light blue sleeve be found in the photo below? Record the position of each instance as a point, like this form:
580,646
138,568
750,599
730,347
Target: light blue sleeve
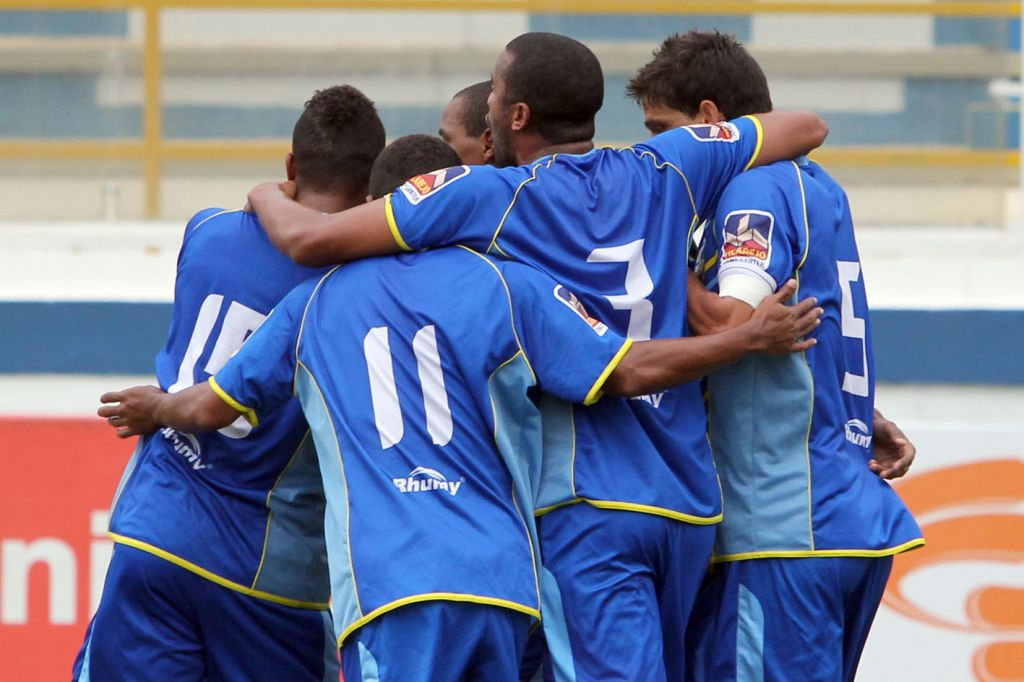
571,353
259,376
458,205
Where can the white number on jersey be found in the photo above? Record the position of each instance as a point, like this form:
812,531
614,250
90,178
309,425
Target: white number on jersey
239,322
387,411
639,286
853,327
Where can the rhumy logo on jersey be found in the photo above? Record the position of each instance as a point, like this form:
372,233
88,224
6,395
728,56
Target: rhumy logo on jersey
424,480
858,433
747,238
568,299
422,186
186,445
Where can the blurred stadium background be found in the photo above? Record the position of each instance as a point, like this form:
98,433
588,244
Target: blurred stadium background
120,119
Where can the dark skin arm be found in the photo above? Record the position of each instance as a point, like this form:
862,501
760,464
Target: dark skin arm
312,239
773,328
141,410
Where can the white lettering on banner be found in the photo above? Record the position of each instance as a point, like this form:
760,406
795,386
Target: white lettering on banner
19,556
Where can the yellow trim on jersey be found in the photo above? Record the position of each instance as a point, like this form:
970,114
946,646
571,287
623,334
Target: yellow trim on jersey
213,577
389,213
633,507
270,512
596,391
807,553
302,322
658,165
760,140
247,412
436,596
709,264
501,223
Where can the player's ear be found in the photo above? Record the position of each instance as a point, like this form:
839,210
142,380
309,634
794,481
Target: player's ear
289,166
708,112
519,118
487,147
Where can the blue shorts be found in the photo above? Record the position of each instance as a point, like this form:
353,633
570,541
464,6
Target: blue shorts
158,621
617,589
437,641
785,619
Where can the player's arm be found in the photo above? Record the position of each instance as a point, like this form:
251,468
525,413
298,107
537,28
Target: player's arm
773,328
709,313
789,134
141,410
894,453
315,239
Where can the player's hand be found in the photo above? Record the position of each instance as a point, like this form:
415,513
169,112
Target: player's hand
777,328
894,453
130,411
268,191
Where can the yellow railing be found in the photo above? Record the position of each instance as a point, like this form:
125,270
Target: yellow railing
152,150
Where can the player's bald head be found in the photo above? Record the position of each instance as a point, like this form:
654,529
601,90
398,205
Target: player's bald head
560,79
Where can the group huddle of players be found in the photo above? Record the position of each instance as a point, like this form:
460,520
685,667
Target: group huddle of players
621,427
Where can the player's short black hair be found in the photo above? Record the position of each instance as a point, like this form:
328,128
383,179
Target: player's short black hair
336,140
561,81
702,65
407,157
473,113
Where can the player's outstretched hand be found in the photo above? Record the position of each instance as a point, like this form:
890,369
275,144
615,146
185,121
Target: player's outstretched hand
130,410
894,453
777,328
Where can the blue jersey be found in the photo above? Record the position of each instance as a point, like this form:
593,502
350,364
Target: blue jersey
414,373
792,434
613,225
242,506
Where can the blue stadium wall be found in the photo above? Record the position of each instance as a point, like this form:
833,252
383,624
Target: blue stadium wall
911,346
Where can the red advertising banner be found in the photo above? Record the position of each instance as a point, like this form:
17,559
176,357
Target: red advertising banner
59,476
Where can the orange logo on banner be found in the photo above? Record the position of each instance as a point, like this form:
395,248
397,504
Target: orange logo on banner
968,513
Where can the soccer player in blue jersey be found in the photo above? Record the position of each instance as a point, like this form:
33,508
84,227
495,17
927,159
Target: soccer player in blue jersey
415,375
219,569
629,495
806,545
464,125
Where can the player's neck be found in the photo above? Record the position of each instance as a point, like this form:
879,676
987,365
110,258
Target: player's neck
544,149
325,202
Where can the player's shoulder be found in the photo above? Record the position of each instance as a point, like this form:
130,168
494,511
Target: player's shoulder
763,185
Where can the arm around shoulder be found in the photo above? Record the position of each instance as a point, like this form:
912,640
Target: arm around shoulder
789,134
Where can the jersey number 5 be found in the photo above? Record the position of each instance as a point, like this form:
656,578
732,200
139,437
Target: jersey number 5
239,322
853,327
387,411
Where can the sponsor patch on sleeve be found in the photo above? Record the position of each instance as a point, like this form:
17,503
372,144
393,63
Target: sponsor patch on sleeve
713,132
422,186
747,238
568,299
